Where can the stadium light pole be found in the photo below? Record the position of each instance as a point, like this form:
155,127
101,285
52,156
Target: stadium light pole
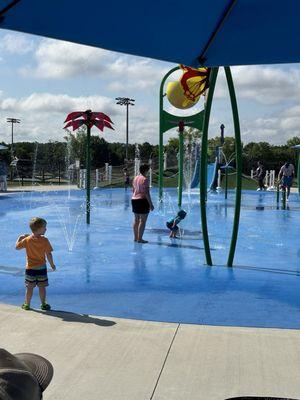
126,101
12,121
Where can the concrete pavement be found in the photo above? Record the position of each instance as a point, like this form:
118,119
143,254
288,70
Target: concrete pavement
119,359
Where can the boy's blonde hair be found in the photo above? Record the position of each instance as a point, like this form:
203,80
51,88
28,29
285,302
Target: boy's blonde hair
37,223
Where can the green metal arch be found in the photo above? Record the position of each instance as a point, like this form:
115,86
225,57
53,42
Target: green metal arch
161,143
203,187
238,149
238,159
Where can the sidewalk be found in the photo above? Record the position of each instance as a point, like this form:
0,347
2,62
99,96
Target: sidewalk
38,188
118,359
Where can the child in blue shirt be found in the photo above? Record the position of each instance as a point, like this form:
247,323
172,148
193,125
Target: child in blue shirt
172,223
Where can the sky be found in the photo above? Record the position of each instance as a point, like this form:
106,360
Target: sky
42,80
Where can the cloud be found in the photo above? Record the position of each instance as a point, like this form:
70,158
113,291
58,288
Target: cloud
275,130
51,103
58,59
133,73
139,131
61,60
42,116
16,43
264,84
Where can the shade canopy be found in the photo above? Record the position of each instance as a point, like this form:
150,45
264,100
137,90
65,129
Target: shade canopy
3,147
207,32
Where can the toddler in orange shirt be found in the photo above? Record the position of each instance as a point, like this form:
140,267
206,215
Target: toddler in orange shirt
37,248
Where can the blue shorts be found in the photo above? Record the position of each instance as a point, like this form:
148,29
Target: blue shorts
36,277
287,181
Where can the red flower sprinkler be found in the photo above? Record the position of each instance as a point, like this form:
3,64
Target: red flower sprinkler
75,120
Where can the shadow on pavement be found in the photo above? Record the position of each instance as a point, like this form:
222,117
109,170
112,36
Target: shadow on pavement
73,317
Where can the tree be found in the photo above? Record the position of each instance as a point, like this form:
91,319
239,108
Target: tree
228,147
172,145
293,141
146,151
77,144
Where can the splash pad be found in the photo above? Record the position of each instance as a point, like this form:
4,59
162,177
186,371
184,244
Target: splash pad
102,272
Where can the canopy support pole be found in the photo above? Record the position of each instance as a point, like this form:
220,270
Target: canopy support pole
8,7
227,11
180,163
238,158
203,165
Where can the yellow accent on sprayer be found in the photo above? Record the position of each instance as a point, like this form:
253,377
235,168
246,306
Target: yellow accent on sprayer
177,98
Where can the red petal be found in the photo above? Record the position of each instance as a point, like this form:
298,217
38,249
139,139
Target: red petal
108,125
75,124
78,123
101,116
102,124
74,115
68,124
99,125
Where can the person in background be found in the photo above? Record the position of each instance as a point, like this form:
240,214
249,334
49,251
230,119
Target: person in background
285,176
141,203
126,178
260,174
3,174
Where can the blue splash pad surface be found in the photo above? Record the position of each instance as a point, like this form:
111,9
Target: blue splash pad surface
101,271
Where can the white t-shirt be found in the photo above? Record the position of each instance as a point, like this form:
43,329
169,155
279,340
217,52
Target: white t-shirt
287,171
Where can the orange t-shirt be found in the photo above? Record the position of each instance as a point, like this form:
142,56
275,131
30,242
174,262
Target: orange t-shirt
36,249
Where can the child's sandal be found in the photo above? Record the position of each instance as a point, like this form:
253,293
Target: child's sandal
45,307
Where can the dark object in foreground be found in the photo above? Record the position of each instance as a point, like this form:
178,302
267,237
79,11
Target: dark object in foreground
23,376
259,398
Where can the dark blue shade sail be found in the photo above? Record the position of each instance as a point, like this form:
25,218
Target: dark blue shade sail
210,32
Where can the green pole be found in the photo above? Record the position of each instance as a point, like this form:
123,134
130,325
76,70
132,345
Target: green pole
277,193
238,150
203,166
226,182
284,193
298,174
88,167
161,135
161,153
180,163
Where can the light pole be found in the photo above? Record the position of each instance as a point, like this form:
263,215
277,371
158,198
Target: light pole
12,121
126,101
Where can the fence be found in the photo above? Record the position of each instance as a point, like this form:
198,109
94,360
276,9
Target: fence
100,177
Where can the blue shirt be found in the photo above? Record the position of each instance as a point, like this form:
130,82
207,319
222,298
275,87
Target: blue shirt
3,168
